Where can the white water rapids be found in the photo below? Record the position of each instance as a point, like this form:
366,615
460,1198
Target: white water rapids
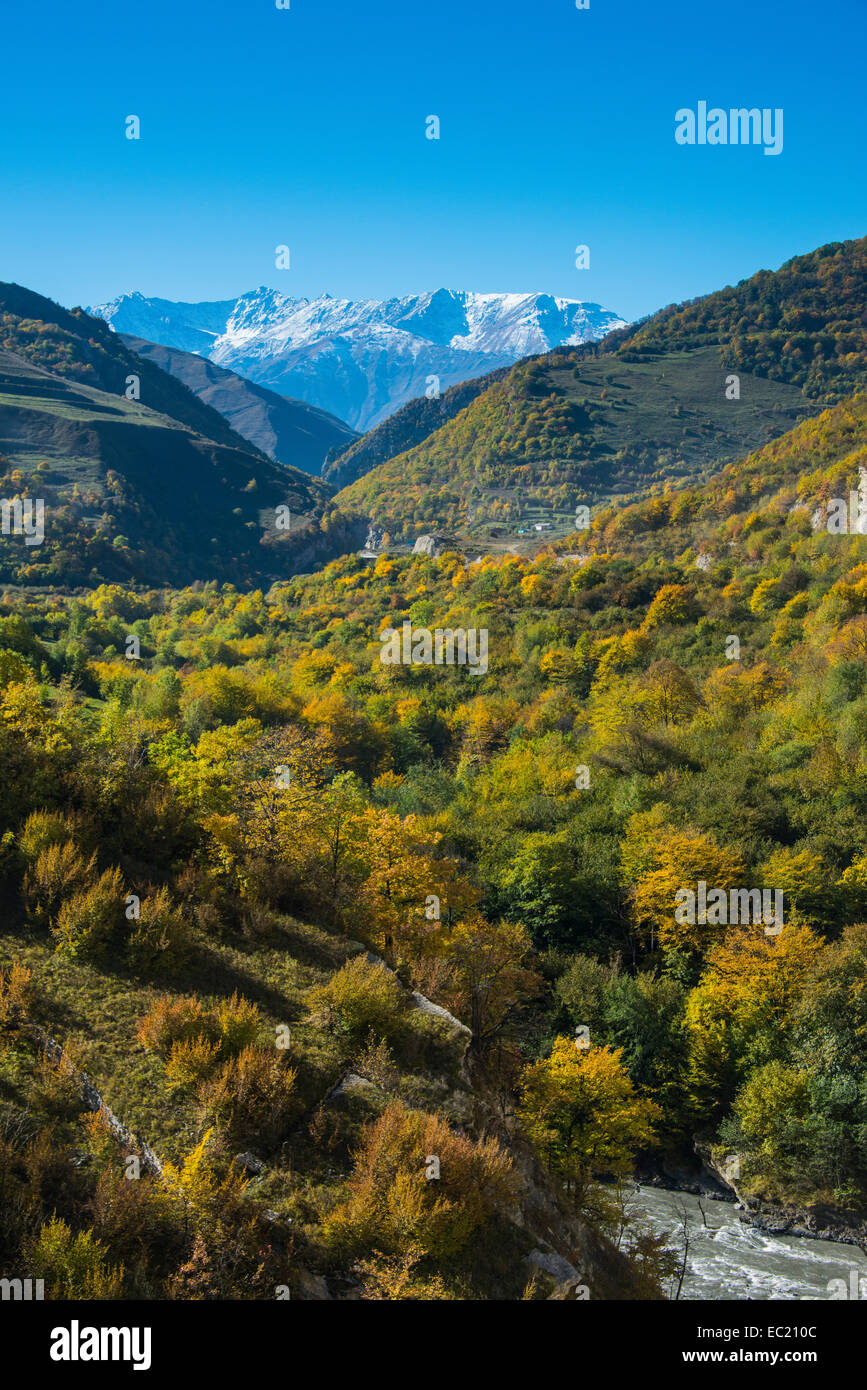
728,1259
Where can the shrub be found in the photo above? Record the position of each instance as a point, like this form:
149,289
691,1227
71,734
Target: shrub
362,997
41,830
395,1209
56,1086
395,1279
15,991
191,1061
58,871
87,922
253,1097
238,1022
173,1020
73,1266
161,936
142,1223
175,1024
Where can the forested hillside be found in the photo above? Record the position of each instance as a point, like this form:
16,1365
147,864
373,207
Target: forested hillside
402,430
691,388
140,481
803,323
242,867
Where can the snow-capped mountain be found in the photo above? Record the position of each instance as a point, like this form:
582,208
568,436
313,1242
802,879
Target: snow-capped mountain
361,360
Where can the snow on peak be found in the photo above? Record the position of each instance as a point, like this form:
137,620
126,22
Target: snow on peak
361,359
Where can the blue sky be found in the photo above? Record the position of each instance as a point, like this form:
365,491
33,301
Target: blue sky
307,127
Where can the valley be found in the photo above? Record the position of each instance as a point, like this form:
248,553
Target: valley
433,683
306,909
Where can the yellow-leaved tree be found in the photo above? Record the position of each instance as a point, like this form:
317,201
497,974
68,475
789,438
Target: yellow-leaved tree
396,1203
408,895
582,1114
659,861
492,975
738,1015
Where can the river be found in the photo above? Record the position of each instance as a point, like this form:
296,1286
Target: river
728,1259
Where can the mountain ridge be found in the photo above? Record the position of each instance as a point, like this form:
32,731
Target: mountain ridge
288,431
360,360
149,488
643,408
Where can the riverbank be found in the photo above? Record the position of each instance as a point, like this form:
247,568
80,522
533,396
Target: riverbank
704,1179
730,1258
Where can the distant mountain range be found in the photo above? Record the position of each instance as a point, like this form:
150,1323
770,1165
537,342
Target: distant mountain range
169,482
361,360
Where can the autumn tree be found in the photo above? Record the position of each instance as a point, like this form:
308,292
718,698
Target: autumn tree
492,975
582,1114
740,1013
397,1203
659,861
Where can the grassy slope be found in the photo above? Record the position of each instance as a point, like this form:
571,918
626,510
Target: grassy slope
188,506
803,323
616,430
93,1012
98,1010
